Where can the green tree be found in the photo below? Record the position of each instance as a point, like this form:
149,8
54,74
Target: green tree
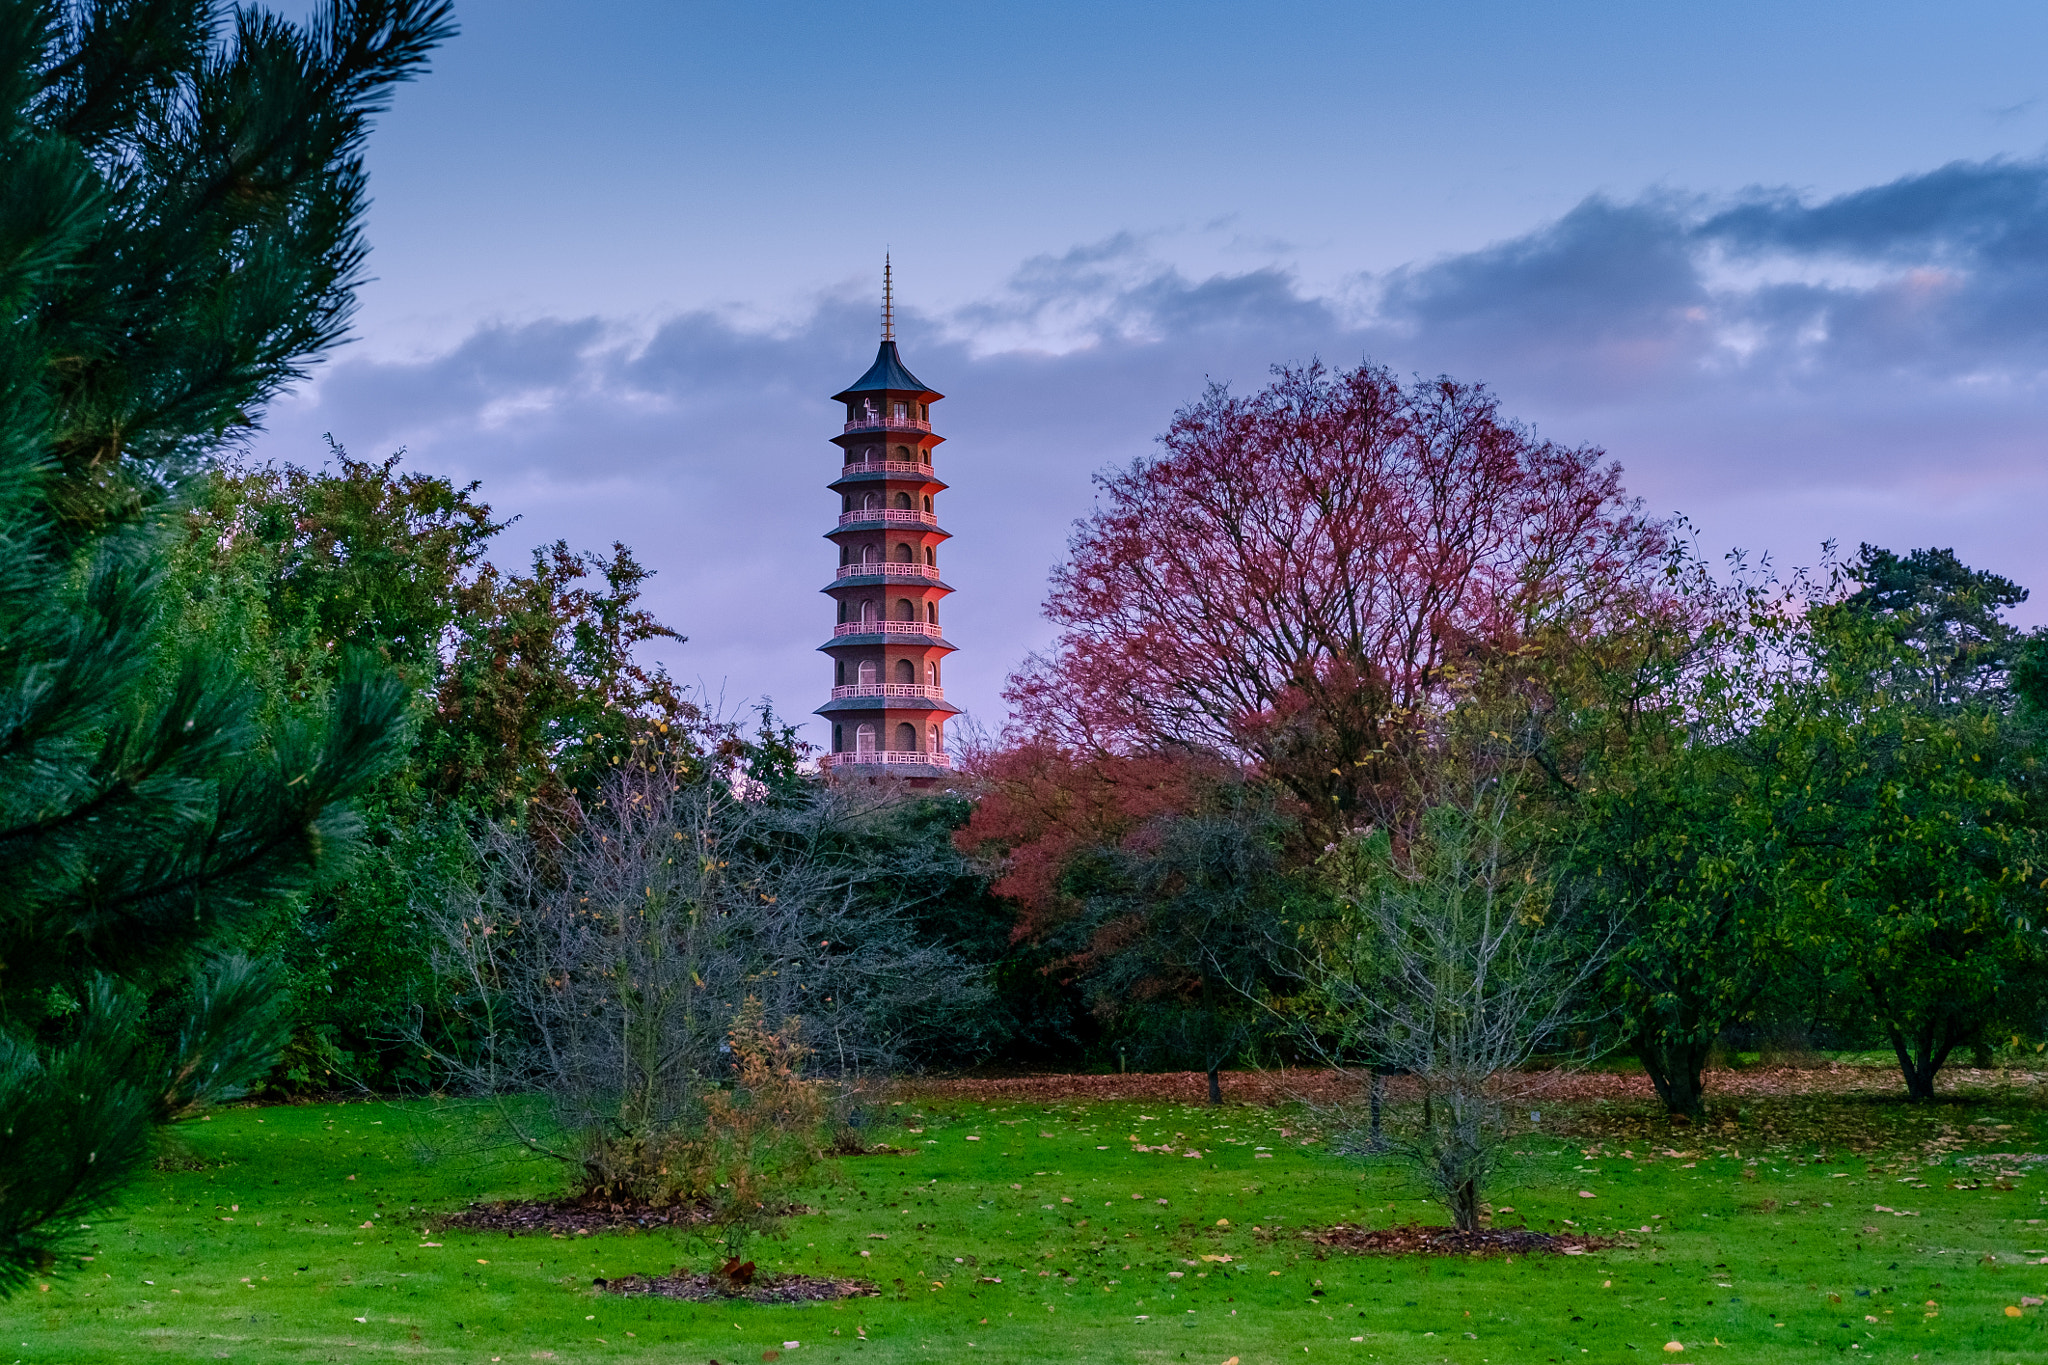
1663,804
288,570
1683,849
1951,646
180,236
1921,828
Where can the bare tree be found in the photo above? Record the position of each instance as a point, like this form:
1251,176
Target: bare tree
606,969
1456,963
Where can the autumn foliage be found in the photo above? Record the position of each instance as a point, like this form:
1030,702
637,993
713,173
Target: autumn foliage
1041,805
1304,577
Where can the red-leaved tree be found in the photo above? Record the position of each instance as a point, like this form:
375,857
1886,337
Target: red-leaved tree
1308,577
1040,805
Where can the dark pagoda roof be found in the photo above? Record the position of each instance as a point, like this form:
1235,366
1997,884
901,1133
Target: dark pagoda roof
886,373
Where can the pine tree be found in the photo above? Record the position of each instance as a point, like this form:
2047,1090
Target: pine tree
180,236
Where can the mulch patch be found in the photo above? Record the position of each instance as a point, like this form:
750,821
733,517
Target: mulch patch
1415,1240
571,1216
704,1287
565,1217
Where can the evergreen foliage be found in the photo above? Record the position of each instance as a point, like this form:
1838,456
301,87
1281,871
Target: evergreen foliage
180,236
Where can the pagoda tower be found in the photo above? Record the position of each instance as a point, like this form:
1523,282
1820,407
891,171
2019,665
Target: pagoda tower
888,710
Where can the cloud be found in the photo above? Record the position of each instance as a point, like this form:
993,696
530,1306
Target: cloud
1862,367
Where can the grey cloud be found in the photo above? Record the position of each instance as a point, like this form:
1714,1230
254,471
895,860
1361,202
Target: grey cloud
1898,405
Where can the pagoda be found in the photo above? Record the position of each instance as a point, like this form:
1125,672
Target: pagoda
888,710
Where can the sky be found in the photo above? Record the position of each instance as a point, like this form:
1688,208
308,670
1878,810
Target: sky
1788,264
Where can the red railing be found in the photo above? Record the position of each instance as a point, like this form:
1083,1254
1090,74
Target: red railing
889,690
885,569
887,628
885,467
880,757
889,516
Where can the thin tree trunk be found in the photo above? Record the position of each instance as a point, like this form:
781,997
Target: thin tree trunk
1215,1087
1379,1100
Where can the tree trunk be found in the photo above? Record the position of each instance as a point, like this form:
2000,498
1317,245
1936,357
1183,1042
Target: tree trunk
1215,1087
1920,1059
1379,1100
1676,1071
1465,1206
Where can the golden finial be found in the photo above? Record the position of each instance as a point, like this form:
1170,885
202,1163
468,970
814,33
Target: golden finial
888,301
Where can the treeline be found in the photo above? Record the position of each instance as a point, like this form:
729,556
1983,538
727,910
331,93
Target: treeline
1779,813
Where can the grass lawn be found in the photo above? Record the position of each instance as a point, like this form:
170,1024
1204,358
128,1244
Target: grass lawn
1030,1230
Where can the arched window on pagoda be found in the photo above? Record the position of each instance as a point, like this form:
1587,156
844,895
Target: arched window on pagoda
906,672
870,501
906,737
864,738
931,556
927,504
869,610
867,672
931,673
904,503
906,610
931,613
903,554
935,740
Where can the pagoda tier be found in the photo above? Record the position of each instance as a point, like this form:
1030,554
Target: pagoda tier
888,708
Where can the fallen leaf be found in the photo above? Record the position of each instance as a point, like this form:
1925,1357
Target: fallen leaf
2011,1311
1587,1194
1674,1346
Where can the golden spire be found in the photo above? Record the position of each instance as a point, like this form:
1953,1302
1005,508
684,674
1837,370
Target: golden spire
888,301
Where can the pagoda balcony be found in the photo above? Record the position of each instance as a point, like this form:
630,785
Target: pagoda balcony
918,690
888,569
880,423
862,758
930,628
885,467
889,516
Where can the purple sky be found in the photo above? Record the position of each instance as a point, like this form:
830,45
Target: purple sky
1791,270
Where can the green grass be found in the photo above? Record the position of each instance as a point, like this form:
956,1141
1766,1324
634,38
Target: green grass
260,1253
